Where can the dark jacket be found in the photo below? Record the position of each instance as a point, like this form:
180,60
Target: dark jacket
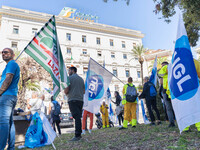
118,100
146,92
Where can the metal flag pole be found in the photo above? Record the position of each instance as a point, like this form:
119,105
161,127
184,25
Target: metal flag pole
108,71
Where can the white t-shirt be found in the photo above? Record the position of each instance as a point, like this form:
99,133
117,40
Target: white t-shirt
36,105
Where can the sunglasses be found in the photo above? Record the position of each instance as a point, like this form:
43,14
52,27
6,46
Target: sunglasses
5,52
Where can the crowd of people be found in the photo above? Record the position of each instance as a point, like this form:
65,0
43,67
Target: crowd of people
125,106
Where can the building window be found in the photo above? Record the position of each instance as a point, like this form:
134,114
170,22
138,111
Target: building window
125,56
85,71
123,44
68,36
14,44
115,72
127,73
116,88
134,44
69,51
15,29
111,42
98,41
34,30
84,51
112,55
138,74
83,38
99,53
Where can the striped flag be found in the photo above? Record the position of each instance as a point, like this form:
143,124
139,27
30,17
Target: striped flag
44,48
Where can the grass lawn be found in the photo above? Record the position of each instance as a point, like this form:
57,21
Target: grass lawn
142,137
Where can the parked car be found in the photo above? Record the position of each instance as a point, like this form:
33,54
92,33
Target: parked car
66,120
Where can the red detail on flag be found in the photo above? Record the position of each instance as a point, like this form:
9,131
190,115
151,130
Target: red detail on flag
46,50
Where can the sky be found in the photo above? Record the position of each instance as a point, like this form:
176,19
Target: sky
138,15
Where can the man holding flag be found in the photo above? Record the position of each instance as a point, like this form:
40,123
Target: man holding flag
75,93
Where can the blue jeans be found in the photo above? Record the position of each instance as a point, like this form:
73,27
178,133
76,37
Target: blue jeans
7,127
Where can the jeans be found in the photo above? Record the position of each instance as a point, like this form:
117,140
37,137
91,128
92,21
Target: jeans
76,110
151,103
120,118
56,123
7,127
169,107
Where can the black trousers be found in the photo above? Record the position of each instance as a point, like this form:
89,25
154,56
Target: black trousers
120,118
56,123
76,110
151,103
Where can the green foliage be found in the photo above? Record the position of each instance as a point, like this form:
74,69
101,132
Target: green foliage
138,50
127,1
191,11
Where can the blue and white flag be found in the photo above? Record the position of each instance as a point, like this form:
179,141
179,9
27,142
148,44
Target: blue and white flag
96,85
108,98
40,132
183,81
144,116
153,78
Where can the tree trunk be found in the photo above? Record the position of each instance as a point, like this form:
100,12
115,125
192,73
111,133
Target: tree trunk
142,72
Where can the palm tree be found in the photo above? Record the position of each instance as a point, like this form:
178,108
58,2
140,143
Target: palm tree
159,62
138,51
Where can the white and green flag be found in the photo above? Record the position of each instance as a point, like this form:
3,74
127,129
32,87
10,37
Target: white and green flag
44,48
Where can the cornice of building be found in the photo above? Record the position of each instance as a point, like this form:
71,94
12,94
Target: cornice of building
69,22
159,53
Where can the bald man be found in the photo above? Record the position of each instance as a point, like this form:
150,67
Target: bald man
8,98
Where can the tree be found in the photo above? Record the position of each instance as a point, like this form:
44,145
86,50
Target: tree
191,17
127,1
159,62
31,73
138,51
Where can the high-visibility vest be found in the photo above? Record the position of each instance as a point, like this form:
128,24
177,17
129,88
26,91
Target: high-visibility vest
125,89
164,74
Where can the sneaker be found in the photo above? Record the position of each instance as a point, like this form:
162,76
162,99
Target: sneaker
83,132
122,128
152,124
133,126
171,125
159,122
74,139
90,131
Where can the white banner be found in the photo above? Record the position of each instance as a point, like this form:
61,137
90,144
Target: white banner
183,82
97,82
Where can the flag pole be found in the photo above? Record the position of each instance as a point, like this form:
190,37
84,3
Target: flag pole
19,55
108,71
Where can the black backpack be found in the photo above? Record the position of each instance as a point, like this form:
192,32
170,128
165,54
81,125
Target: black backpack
131,93
57,108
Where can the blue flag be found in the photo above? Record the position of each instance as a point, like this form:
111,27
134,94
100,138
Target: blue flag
183,81
153,77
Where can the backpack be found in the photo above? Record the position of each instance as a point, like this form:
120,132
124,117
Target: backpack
152,90
57,108
131,93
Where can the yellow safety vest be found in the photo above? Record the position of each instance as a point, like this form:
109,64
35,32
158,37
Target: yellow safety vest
164,74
